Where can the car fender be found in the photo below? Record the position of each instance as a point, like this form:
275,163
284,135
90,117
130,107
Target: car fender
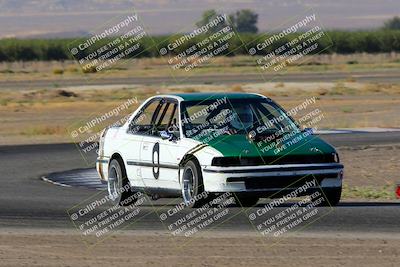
201,152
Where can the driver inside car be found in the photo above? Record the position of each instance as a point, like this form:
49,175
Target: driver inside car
243,118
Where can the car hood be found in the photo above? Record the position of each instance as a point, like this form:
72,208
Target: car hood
242,146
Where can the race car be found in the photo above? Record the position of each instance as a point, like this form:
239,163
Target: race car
186,145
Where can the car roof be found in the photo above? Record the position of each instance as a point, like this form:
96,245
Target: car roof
214,96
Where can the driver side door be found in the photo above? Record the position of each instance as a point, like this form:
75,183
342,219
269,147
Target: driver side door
158,156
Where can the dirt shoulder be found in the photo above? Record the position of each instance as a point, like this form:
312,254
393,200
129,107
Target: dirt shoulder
63,248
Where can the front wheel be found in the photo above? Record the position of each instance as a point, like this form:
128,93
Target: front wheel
192,186
119,189
331,197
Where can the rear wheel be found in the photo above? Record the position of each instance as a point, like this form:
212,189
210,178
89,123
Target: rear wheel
192,185
119,189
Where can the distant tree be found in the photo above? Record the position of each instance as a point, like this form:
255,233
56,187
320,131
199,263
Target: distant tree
3,56
55,52
392,24
207,17
244,20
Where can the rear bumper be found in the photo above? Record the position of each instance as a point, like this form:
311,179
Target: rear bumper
271,179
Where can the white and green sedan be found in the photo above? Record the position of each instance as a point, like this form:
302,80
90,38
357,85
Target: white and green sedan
205,144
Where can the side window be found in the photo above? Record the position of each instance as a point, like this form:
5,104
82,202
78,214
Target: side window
141,124
167,119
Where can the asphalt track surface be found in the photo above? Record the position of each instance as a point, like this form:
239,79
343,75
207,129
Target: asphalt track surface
27,201
387,76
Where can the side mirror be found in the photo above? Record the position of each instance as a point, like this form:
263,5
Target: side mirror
167,136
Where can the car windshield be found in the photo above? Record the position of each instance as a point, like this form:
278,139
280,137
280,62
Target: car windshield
234,116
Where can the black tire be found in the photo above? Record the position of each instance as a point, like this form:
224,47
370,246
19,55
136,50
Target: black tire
331,197
246,201
193,193
119,190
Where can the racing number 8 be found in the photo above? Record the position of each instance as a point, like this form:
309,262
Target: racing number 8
156,166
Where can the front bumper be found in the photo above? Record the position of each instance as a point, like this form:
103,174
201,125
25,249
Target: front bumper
269,179
102,169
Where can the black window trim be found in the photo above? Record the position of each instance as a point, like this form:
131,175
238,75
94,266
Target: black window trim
162,101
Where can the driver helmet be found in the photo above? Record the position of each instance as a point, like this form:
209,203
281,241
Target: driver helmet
243,118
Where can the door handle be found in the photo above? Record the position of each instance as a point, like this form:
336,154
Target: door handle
145,146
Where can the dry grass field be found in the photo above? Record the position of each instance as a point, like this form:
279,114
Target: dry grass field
45,115
149,67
